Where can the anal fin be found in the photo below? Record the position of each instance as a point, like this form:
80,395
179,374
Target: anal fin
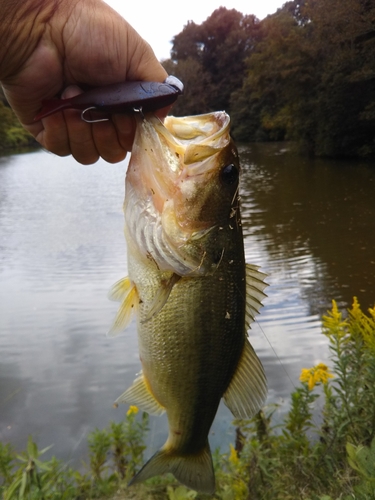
247,390
139,394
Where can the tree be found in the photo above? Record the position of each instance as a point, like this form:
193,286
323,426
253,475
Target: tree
196,86
311,78
306,73
278,70
219,47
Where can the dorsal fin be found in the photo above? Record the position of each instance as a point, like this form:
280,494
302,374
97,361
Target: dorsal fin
247,390
255,285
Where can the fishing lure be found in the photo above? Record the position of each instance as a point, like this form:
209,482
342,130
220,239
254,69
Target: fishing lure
118,98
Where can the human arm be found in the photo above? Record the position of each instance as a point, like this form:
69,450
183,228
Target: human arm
52,46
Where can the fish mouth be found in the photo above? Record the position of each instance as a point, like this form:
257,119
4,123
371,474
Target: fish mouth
194,139
180,149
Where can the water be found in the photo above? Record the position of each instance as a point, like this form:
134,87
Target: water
308,223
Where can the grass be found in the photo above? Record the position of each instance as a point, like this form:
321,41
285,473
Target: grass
298,459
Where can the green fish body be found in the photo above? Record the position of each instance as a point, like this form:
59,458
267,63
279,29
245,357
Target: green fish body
188,283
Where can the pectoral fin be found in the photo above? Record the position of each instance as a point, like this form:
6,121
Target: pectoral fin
126,292
139,394
247,390
161,297
120,289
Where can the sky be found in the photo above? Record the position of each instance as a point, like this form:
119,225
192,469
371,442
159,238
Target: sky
158,21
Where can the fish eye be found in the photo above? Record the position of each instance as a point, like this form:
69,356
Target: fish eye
229,174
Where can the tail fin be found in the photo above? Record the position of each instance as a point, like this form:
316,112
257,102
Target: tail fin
194,471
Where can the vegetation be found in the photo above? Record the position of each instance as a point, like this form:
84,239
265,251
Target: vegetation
319,452
305,74
12,134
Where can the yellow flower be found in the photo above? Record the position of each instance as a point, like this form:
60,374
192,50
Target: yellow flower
133,410
315,375
372,312
233,457
333,323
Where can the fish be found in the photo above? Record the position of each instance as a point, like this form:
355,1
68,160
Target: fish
189,286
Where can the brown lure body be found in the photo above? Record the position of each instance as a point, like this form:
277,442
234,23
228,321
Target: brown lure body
122,97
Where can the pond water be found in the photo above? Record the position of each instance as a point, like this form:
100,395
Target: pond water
309,224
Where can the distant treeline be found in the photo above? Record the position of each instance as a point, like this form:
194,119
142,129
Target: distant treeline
305,73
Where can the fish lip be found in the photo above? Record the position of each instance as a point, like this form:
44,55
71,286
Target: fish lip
205,129
195,140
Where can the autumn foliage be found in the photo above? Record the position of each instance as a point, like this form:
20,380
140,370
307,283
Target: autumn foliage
305,73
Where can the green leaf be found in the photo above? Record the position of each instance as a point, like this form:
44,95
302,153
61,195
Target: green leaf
23,486
32,449
362,459
12,489
45,449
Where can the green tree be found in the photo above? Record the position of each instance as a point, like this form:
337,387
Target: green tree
212,55
310,78
278,70
196,86
345,45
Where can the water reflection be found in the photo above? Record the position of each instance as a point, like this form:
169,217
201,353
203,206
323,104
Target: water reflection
319,207
308,224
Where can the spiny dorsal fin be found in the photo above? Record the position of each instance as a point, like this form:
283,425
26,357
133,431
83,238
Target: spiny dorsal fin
126,292
247,390
255,285
139,394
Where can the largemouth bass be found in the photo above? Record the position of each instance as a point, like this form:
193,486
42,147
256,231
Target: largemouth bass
189,285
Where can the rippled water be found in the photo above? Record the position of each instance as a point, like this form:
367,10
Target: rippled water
308,223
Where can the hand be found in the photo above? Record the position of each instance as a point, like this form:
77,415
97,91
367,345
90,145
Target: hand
52,46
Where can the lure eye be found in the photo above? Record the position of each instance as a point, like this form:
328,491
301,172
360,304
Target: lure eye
229,174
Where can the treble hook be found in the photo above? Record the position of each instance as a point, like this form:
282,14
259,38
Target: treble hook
92,121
